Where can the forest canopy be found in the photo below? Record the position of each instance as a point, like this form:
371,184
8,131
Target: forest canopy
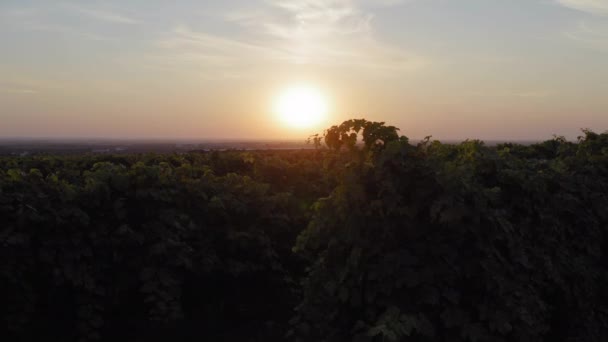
367,237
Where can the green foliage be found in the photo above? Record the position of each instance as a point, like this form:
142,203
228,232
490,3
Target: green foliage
461,243
156,238
346,134
368,239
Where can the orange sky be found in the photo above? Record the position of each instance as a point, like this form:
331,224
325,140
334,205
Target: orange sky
491,69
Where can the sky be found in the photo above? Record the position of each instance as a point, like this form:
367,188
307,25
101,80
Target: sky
485,69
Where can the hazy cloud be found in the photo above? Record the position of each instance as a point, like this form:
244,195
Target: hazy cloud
10,85
55,28
594,34
18,91
23,83
336,33
598,7
214,50
105,15
40,18
530,94
382,3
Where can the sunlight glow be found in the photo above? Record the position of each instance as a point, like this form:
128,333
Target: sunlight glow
301,107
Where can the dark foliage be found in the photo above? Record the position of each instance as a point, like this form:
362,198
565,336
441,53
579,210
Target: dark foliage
369,239
125,248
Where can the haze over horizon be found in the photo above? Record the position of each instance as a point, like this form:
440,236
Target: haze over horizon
486,69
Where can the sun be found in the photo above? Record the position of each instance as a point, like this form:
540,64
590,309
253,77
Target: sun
301,106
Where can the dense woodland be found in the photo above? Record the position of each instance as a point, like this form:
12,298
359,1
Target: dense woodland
367,237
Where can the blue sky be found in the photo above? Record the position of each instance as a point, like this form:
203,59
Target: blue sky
488,69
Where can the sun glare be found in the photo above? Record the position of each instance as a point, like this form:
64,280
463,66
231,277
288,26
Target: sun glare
301,107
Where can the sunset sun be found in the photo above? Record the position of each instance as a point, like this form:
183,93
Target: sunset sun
301,107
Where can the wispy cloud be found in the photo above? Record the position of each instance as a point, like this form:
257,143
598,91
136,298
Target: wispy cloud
598,7
533,94
45,19
12,86
381,3
314,32
16,15
593,34
103,15
18,91
19,82
67,30
527,94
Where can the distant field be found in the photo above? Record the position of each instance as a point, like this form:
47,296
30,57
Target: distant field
28,147
25,147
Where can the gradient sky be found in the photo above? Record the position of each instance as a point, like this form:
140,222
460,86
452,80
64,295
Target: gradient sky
454,69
